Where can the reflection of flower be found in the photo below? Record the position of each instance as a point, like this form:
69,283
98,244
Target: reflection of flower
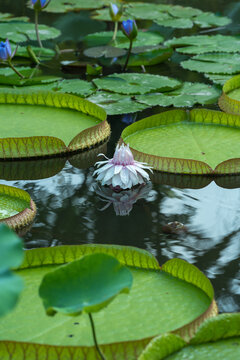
6,51
40,4
122,171
129,28
123,201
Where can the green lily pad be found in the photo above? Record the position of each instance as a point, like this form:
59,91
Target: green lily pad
32,77
20,32
106,51
86,285
17,209
187,95
230,99
147,38
201,44
148,57
115,104
199,142
208,19
136,83
217,338
22,51
60,6
220,63
218,79
180,296
59,119
11,255
6,17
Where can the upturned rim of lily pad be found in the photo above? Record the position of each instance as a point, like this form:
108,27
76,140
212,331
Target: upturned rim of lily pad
24,218
126,255
225,102
15,148
184,165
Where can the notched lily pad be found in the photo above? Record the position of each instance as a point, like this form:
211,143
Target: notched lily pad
136,83
175,287
106,51
59,119
185,96
197,142
17,209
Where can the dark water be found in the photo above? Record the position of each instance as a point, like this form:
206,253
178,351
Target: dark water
71,209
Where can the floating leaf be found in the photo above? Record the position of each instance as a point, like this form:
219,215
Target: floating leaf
220,63
217,338
218,79
32,77
5,17
115,104
185,96
59,6
230,99
20,32
17,210
200,44
172,292
148,58
147,38
175,22
86,285
136,83
207,19
106,51
59,119
199,142
11,255
76,86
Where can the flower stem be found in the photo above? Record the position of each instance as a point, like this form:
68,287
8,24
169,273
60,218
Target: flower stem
36,29
128,55
15,70
95,338
115,30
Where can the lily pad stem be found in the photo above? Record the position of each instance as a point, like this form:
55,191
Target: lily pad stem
128,55
115,30
36,29
15,70
95,338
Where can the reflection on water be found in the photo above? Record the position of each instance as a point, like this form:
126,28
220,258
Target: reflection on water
69,212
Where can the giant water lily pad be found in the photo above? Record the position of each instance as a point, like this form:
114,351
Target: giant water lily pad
17,209
230,99
197,142
217,338
61,123
201,44
11,255
181,298
187,95
135,83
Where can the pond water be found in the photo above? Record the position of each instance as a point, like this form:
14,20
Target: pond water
72,208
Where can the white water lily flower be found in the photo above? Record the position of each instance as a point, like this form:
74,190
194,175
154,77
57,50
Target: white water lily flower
122,171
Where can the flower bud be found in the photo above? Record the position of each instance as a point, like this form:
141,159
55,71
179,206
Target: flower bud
129,28
115,12
40,4
6,51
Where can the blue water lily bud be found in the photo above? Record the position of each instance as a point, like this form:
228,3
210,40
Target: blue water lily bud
115,12
129,28
40,4
6,51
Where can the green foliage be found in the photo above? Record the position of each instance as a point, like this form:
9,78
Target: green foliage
32,77
217,338
85,285
220,63
59,6
106,51
136,83
170,297
202,142
187,95
12,202
11,255
20,32
201,44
